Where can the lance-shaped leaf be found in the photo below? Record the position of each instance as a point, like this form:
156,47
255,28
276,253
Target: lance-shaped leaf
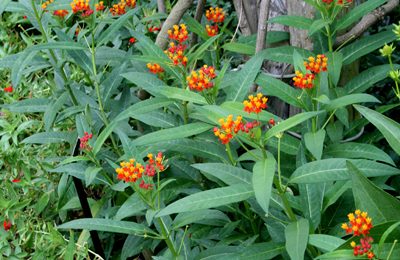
296,234
263,176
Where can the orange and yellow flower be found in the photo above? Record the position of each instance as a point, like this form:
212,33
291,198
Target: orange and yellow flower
202,79
155,68
229,128
212,30
100,6
304,81
217,14
45,4
316,65
360,225
60,13
129,171
175,53
255,104
178,33
80,6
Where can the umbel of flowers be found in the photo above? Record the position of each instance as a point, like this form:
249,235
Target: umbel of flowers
201,79
214,16
229,128
313,66
178,36
132,171
360,225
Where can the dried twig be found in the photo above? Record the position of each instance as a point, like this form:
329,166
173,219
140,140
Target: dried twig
366,22
174,17
262,25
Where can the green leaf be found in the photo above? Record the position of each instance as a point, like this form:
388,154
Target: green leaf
381,206
315,142
299,22
324,242
209,217
346,254
108,225
289,123
317,25
263,176
296,234
357,13
182,94
335,170
136,109
109,33
357,151
90,174
312,196
242,48
134,205
245,78
193,57
366,45
209,199
32,105
262,251
194,26
348,100
385,235
285,54
335,61
388,127
277,88
229,174
52,110
3,5
172,133
368,78
51,138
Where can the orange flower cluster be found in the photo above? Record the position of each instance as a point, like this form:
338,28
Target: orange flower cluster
179,33
229,128
255,104
7,225
217,15
201,80
9,89
360,224
45,4
80,6
317,65
155,68
84,141
176,51
339,2
303,81
214,15
100,6
212,30
60,13
131,171
120,8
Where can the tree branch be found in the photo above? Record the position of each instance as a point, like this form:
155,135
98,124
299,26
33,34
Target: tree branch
161,6
197,16
242,23
366,22
173,18
262,25
250,9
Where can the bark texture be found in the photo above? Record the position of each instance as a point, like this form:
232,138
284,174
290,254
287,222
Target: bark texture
174,17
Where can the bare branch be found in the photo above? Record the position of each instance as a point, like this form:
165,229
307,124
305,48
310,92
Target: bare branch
243,24
161,6
197,16
262,25
174,17
250,9
367,21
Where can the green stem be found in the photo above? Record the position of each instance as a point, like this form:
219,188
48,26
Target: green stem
397,91
286,204
329,118
167,237
279,162
391,250
228,150
328,32
158,190
248,212
185,113
247,150
183,240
